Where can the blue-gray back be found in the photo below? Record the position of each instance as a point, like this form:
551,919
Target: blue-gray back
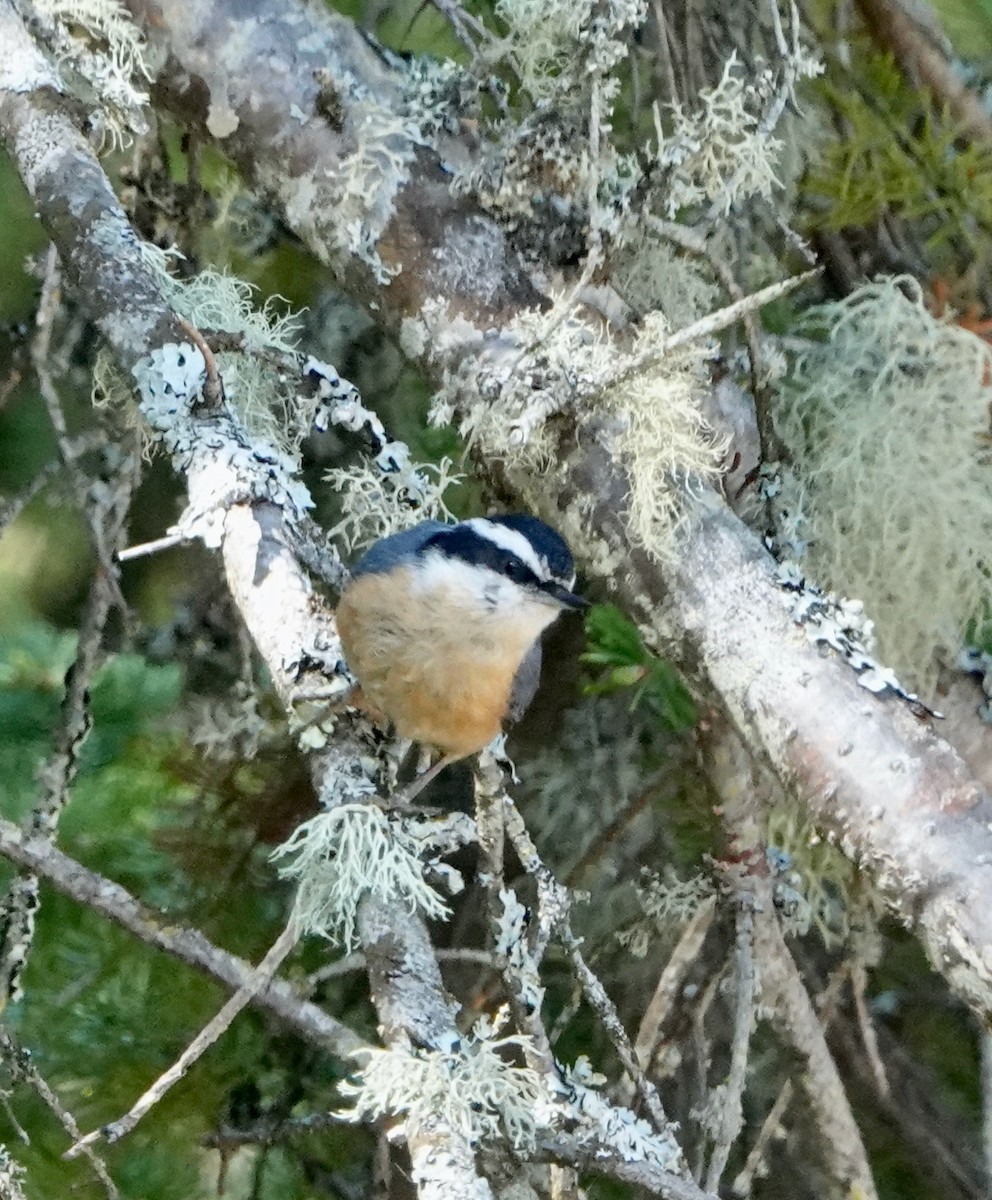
397,548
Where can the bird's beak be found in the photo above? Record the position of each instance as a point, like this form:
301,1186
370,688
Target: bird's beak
564,597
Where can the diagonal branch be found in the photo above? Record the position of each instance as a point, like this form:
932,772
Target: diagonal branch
114,902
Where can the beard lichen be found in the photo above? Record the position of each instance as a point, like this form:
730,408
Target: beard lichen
886,418
101,56
667,445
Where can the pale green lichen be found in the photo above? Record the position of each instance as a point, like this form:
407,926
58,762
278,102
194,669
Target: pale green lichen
566,363
471,1087
816,886
653,275
886,419
365,183
668,446
101,55
376,503
347,853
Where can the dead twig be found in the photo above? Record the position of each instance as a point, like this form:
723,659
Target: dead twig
22,1067
260,977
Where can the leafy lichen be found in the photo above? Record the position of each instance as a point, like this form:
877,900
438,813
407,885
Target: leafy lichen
471,1086
351,851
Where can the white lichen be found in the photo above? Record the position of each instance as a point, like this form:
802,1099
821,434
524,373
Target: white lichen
608,1128
511,945
471,1087
886,418
377,502
254,350
256,382
725,151
228,729
845,627
347,853
11,1177
100,53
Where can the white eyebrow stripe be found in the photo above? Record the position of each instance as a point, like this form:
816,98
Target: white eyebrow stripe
512,540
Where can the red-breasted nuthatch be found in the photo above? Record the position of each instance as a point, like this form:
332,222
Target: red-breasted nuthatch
441,627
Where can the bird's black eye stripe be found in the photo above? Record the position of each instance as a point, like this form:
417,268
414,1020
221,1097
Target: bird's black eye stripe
464,543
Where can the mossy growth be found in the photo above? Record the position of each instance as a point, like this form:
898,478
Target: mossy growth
897,152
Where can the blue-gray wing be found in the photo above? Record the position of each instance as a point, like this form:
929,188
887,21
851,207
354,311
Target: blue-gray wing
525,683
397,548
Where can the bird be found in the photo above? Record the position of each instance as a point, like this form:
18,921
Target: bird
441,624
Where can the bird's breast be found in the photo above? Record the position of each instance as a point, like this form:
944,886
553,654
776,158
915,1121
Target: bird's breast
441,671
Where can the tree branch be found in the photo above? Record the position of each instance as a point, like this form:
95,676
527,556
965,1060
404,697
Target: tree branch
115,903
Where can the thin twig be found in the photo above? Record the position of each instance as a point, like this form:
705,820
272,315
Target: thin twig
213,389
671,980
785,92
606,836
769,1129
154,547
601,1004
755,1163
553,909
115,903
859,985
521,965
695,243
713,323
462,21
730,1117
11,509
23,1068
257,981
98,515
20,905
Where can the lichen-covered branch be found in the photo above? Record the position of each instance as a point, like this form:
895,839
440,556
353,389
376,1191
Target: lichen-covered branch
385,211
898,799
224,474
243,501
